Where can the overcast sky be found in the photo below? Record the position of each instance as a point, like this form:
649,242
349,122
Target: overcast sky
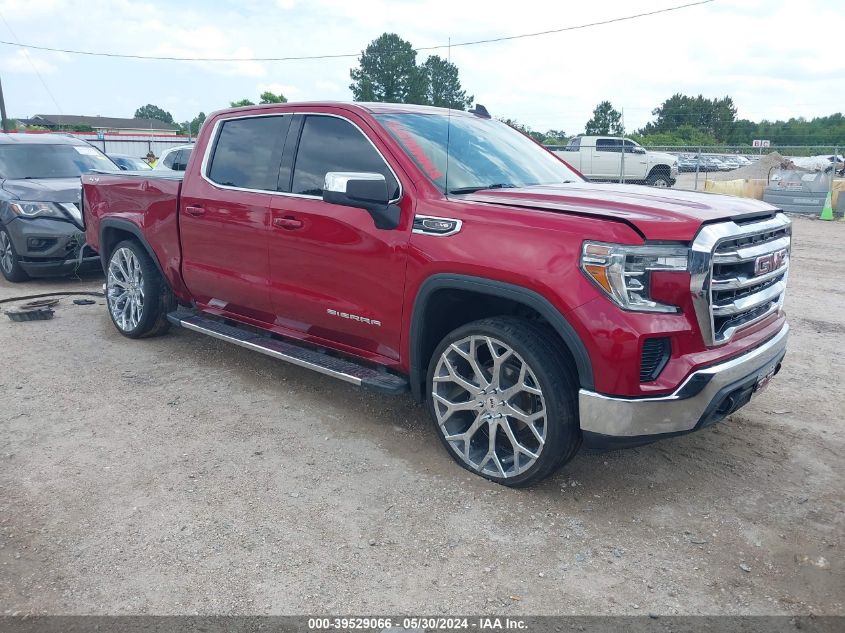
777,59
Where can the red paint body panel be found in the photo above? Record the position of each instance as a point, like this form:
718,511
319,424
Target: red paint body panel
225,257
148,203
234,261
660,214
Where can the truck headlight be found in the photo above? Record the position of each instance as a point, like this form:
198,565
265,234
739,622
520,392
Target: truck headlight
47,210
623,272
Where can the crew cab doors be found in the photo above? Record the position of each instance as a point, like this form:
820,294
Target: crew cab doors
333,274
607,160
260,244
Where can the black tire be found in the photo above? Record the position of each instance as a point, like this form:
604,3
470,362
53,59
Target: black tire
9,261
659,179
533,345
158,300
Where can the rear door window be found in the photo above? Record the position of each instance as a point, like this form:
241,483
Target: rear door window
248,152
334,144
170,159
180,163
609,145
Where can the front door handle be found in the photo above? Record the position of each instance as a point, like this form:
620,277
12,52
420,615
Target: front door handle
287,223
195,211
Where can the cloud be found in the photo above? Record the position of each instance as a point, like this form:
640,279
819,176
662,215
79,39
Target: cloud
757,51
30,9
26,63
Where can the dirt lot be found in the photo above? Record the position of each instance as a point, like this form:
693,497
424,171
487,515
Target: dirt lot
185,475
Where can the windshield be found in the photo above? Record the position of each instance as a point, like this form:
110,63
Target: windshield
50,161
483,153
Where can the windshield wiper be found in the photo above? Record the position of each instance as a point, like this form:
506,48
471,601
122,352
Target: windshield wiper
498,185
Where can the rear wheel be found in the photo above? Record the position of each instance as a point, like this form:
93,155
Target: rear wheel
137,295
504,400
9,262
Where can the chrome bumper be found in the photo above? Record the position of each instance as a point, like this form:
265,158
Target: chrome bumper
705,397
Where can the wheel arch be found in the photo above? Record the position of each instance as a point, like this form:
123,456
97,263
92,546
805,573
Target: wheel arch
661,168
115,230
428,328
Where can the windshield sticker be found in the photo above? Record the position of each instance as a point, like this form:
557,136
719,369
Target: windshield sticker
414,148
87,151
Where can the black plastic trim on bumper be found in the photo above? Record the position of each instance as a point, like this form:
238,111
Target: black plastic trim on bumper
50,267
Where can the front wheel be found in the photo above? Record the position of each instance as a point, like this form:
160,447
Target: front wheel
9,261
137,295
504,400
660,180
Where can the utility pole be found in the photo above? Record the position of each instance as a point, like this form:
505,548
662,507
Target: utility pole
4,122
622,149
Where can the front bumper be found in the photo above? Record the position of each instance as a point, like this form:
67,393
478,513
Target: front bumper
707,396
46,247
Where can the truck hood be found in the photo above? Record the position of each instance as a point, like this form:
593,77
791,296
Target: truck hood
658,214
662,157
44,189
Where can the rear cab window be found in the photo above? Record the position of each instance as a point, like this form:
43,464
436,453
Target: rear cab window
248,151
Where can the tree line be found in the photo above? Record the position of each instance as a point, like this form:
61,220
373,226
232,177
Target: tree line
690,121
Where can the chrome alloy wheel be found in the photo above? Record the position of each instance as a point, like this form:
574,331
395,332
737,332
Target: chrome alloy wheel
7,256
489,406
125,289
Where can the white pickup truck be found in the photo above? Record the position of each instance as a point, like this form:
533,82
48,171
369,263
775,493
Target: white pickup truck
601,158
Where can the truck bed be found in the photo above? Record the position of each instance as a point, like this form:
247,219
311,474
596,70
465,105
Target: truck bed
143,204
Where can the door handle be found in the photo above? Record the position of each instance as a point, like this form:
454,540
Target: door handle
195,211
287,223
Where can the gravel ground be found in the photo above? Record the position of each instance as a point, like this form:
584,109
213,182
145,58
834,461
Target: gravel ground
184,475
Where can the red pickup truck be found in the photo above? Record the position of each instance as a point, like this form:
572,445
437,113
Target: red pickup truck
402,247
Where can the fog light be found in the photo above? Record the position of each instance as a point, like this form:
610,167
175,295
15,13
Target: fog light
39,243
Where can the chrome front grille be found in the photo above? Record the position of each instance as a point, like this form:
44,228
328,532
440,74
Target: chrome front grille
739,273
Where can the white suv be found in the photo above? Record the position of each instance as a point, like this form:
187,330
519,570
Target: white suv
175,158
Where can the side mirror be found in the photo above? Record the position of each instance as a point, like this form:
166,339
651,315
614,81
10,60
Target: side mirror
639,150
362,190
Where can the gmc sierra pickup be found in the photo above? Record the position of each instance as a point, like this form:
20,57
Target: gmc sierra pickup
402,247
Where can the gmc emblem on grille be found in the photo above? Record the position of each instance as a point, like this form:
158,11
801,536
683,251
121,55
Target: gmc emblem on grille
769,262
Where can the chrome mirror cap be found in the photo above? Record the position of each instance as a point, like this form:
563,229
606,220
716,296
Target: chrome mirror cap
337,180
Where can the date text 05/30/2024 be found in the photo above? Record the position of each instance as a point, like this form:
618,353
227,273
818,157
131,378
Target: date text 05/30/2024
412,623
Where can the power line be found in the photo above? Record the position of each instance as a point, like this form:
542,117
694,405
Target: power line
348,55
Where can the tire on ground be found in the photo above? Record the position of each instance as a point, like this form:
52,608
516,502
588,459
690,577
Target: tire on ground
557,380
10,264
158,298
659,178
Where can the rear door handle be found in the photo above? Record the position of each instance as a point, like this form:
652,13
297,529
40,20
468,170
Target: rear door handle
287,223
195,211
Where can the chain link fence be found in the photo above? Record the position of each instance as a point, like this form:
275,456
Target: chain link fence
796,178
